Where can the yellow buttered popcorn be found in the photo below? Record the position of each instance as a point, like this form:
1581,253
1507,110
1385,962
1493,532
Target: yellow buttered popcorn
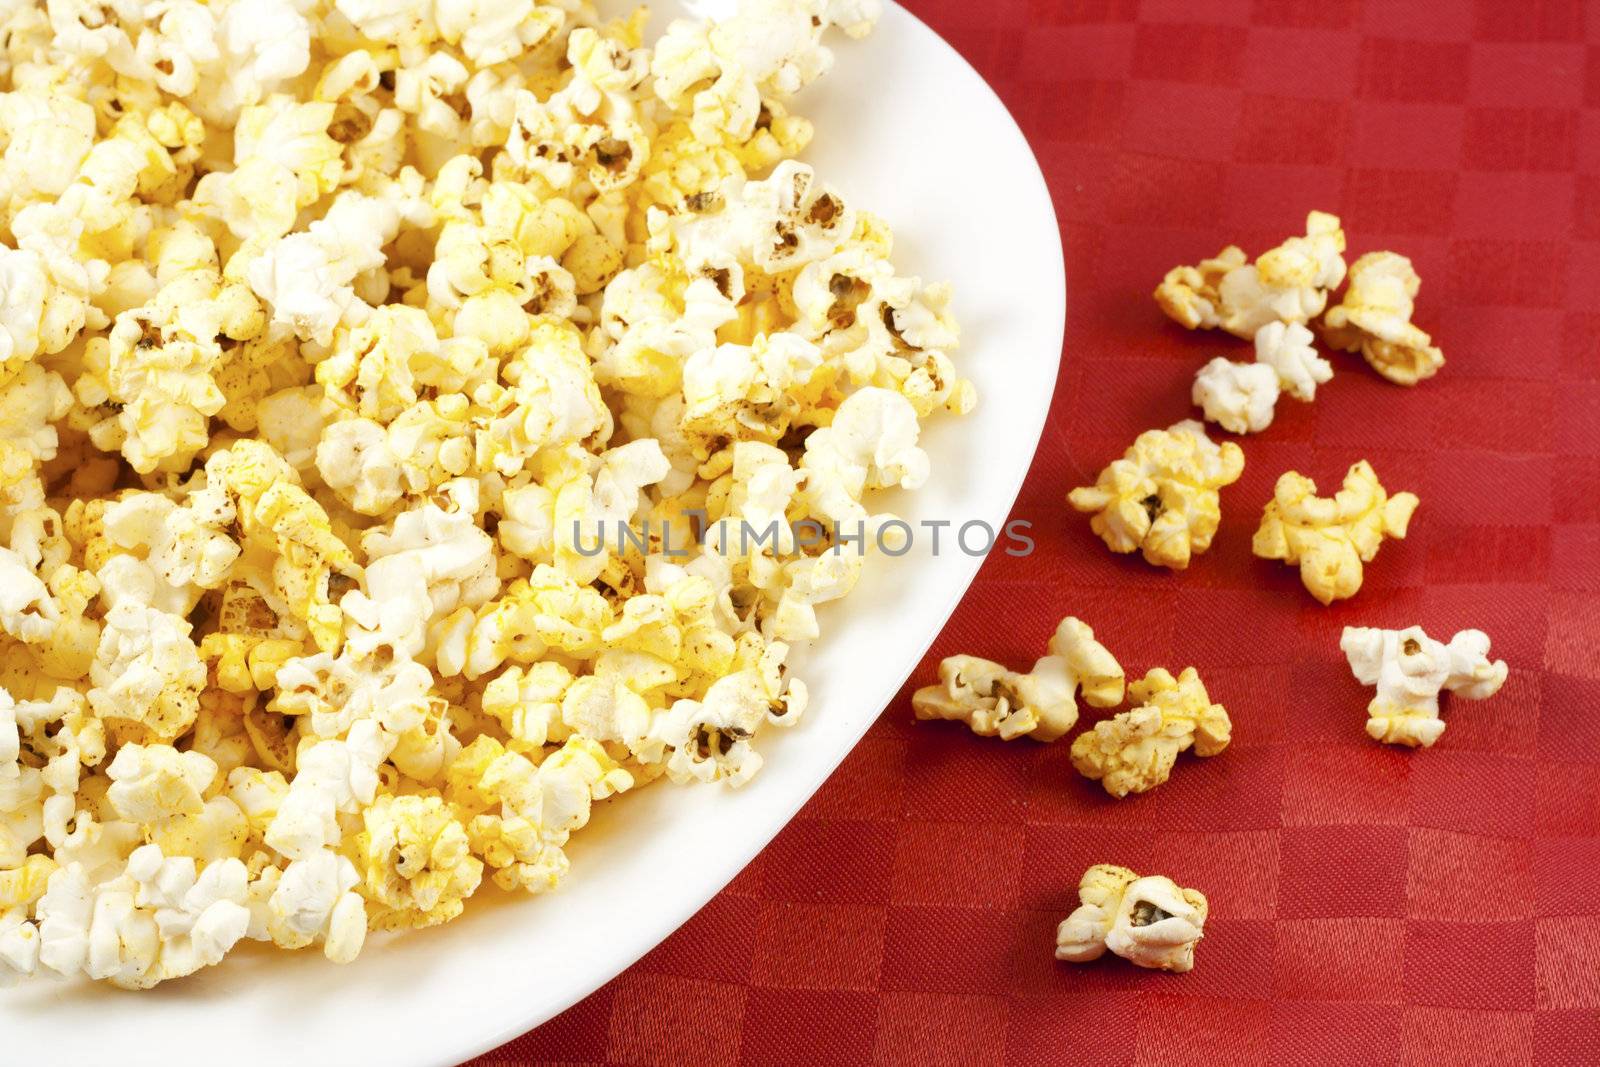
1041,703
1134,751
1160,498
1330,538
1374,318
1150,921
1288,284
416,861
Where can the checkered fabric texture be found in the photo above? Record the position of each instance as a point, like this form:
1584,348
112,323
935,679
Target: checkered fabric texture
1369,904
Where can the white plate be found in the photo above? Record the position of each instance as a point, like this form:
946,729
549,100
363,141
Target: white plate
907,129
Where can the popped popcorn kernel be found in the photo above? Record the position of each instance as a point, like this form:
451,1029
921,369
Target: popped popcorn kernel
1189,295
1134,751
1040,704
147,674
1289,284
418,867
1239,397
1410,670
1161,497
1150,921
1331,537
1374,318
1287,349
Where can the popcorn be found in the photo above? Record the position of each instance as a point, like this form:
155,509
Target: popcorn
1040,704
331,777
740,392
151,783
310,900
783,222
1288,284
989,698
1286,348
1189,295
159,360
519,817
307,278
157,921
547,610
1410,669
1239,397
768,50
417,864
1149,921
1161,496
1375,319
344,352
295,553
184,545
27,610
10,739
147,674
1330,538
29,404
1134,751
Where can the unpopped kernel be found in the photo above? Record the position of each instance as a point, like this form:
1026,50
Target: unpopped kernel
339,342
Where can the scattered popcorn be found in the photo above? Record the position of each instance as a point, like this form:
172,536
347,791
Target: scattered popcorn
382,387
1374,318
1149,921
1331,537
1134,751
1161,497
1410,669
1040,704
1288,284
1239,397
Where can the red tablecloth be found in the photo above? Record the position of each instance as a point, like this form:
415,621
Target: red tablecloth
1369,904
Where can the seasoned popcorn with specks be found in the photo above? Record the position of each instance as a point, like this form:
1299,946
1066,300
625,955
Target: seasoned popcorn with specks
1288,284
1134,751
338,345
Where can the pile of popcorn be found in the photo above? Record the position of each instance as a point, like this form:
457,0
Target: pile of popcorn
337,337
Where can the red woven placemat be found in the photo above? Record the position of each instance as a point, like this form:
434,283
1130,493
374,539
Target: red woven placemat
1369,904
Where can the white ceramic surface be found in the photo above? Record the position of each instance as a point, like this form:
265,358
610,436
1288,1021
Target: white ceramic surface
907,129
